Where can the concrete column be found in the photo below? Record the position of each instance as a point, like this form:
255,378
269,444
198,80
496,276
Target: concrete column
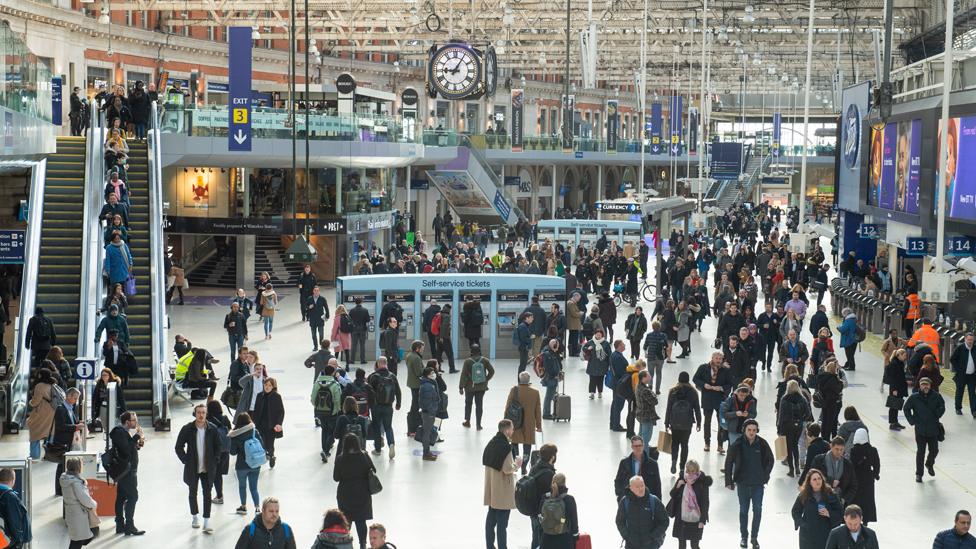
555,192
246,245
599,188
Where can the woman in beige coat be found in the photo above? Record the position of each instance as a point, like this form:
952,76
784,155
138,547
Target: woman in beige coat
500,469
574,323
531,416
79,506
41,417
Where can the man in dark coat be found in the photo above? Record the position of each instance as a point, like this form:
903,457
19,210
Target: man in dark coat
317,312
852,534
267,531
838,470
66,423
638,463
714,382
391,309
957,537
236,326
539,326
738,359
923,410
360,318
76,112
306,281
432,310
730,323
197,471
641,518
127,440
819,320
747,468
963,363
40,337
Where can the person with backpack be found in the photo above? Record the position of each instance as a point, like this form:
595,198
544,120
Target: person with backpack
246,443
432,311
499,492
472,318
530,489
40,337
683,412
476,372
747,468
16,519
793,413
655,348
850,332
352,472
523,408
200,465
350,422
316,310
342,339
267,531
327,401
597,354
216,417
415,371
127,439
360,318
441,327
739,407
641,520
558,517
522,339
639,463
386,389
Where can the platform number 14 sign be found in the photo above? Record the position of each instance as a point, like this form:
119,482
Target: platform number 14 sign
961,245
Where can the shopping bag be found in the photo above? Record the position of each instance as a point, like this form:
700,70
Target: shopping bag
130,285
780,448
664,442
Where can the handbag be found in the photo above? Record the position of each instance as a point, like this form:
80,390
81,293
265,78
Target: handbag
55,451
375,486
130,285
93,520
895,402
941,436
717,343
230,397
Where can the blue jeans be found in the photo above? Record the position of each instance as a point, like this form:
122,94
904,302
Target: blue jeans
615,408
747,494
35,449
248,478
497,519
382,423
646,431
268,324
140,131
236,342
547,401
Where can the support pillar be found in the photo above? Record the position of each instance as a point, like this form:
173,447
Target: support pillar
246,245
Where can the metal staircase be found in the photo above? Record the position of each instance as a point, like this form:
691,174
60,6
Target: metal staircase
732,193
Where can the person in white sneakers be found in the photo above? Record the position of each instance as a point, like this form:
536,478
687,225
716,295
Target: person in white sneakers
198,447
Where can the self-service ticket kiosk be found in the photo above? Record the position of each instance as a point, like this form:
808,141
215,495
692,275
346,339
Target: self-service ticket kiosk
369,302
548,298
483,298
543,233
427,298
510,304
406,301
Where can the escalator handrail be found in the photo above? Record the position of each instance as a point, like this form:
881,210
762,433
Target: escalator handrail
157,278
92,285
28,299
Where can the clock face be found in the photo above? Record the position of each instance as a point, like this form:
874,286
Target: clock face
491,71
455,72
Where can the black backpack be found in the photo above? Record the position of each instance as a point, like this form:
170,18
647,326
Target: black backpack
386,389
515,412
526,494
345,325
682,415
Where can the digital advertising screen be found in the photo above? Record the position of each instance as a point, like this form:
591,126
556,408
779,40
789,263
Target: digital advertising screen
960,192
894,171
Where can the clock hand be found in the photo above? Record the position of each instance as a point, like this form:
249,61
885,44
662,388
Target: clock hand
457,67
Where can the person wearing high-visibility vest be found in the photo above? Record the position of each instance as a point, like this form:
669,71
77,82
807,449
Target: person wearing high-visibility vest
927,334
913,311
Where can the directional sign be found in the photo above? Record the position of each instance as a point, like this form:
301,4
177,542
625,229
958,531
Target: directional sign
56,100
239,98
84,368
868,230
11,246
916,247
961,246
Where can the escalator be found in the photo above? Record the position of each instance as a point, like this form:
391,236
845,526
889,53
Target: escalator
139,391
59,265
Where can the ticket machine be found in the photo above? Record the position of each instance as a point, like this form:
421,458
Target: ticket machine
483,297
510,304
369,302
406,301
426,297
588,237
543,233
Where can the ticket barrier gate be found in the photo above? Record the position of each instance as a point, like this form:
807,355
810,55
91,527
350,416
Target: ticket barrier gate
484,300
348,299
509,306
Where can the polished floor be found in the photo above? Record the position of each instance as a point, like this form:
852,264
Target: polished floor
439,505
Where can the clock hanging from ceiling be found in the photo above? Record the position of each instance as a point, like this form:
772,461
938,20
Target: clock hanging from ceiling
457,70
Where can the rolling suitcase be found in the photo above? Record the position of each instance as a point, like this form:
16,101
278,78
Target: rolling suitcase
583,541
562,409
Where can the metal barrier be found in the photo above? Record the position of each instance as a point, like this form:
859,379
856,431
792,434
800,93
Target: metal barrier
157,277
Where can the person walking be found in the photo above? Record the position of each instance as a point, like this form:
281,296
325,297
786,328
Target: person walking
618,369
848,339
247,473
894,377
852,534
198,448
334,533
269,415
316,311
445,345
42,410
923,411
415,372
963,364
655,348
267,531
641,520
646,413
794,412
957,537
216,417
867,470
739,407
683,413
574,323
638,463
390,344
635,327
476,372
499,492
40,337
838,471
747,468
816,511
352,472
430,403
80,515
269,305
306,282
127,439
327,400
236,325
562,529
598,364
530,403
689,505
830,398
714,382
342,339
360,326
386,389
552,372
251,385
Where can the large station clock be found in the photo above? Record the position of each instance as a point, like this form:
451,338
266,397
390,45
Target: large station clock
454,71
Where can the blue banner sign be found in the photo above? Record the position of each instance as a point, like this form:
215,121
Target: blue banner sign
501,206
239,100
419,184
656,128
513,180
916,246
56,100
777,132
868,230
961,246
675,126
11,246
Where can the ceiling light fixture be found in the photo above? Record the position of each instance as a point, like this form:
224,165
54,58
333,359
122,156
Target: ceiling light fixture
748,18
103,19
255,35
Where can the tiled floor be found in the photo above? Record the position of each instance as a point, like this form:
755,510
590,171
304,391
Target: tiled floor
439,505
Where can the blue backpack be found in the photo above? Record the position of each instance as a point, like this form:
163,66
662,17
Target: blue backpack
254,454
222,435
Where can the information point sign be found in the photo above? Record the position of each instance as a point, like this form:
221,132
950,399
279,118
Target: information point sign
239,100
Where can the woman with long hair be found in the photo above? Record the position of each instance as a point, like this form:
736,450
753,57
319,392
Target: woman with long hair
269,415
352,472
61,365
341,341
334,533
100,397
117,297
570,526
247,476
269,304
816,511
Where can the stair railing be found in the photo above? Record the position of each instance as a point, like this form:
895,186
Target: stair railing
92,251
498,182
157,277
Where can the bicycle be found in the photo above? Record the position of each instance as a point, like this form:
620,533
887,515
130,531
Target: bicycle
647,291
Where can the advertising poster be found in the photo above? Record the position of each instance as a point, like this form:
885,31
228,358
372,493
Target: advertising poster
909,141
874,168
855,104
461,192
886,192
612,123
518,97
692,130
895,168
656,128
961,183
777,133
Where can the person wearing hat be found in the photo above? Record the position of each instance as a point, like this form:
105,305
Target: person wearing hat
923,410
747,468
113,321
